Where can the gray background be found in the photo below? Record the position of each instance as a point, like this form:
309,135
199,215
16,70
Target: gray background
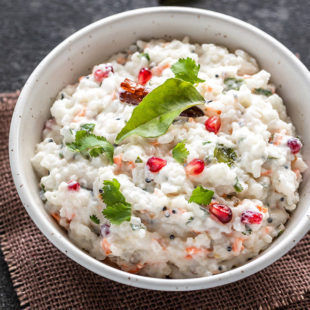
29,29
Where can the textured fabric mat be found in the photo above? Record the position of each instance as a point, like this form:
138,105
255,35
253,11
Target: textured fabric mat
44,278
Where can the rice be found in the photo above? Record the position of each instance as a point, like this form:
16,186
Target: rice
168,236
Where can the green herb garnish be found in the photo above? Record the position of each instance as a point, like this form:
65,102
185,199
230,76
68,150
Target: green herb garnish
232,83
238,187
189,220
138,160
117,209
88,127
156,112
225,154
146,55
180,153
89,144
43,188
187,70
94,219
206,142
262,91
201,196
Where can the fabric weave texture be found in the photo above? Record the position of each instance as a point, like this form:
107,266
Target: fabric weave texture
44,278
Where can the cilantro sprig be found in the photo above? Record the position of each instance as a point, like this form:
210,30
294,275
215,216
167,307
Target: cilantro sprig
117,209
94,219
180,153
201,195
187,70
91,145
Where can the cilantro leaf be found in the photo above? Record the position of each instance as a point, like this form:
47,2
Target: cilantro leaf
118,213
225,154
146,55
232,83
262,91
156,112
201,195
94,219
88,127
117,209
89,144
187,70
238,187
180,153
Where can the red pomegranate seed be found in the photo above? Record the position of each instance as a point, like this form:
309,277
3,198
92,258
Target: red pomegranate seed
100,74
155,164
251,217
222,212
73,186
213,124
195,167
144,76
294,144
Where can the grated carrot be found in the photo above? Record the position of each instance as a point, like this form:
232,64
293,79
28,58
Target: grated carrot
158,70
118,160
56,216
131,164
209,111
297,172
80,78
262,209
266,173
277,140
106,246
237,245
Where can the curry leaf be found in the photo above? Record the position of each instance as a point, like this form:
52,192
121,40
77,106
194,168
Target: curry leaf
153,116
187,70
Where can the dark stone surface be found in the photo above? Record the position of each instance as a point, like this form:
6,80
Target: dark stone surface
30,29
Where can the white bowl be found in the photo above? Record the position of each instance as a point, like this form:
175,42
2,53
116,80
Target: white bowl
96,42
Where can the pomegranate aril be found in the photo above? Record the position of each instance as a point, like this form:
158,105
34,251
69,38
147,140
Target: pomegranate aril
213,124
294,144
222,212
100,74
132,92
73,186
144,76
195,167
251,217
155,164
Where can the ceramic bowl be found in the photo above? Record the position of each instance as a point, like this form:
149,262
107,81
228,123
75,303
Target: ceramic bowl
95,43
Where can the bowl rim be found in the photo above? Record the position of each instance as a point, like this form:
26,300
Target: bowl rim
96,266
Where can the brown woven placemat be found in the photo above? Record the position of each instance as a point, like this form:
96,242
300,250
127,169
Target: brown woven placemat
44,278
